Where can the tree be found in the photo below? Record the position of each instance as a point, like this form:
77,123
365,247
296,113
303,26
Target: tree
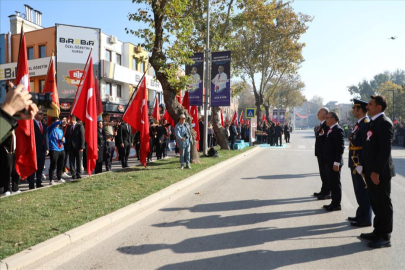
247,99
287,94
386,89
318,101
265,45
172,31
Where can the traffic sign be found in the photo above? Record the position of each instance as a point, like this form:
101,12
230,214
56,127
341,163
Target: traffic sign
250,112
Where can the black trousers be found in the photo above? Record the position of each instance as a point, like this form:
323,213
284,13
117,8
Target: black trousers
108,155
75,163
99,167
35,178
335,185
271,140
287,137
363,212
124,154
232,141
65,158
57,159
138,150
163,149
7,169
325,189
380,198
279,138
159,151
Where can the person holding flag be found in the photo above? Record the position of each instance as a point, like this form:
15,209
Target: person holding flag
85,108
136,116
56,150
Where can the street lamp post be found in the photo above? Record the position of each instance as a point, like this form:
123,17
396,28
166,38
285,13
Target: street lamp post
207,83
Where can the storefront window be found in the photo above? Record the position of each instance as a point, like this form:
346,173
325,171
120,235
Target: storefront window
41,86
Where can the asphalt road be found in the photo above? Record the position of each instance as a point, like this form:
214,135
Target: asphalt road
255,215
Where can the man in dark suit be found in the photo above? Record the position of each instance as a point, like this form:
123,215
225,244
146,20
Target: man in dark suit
75,140
101,144
233,133
42,148
201,129
320,134
125,139
333,152
287,133
278,134
363,212
378,170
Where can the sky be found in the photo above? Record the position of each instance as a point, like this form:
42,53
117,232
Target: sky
346,42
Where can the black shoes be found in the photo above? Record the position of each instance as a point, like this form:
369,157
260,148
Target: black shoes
369,236
360,224
379,243
316,194
332,208
352,219
324,197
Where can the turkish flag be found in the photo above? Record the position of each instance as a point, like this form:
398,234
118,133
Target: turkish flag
235,115
168,118
137,116
85,108
156,113
264,118
186,102
25,153
194,114
241,118
222,119
50,87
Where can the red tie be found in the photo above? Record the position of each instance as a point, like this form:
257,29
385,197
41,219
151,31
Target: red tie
219,76
40,127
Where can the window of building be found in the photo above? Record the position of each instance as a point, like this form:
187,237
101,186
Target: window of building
108,55
41,86
142,67
108,89
118,56
30,53
42,51
32,86
119,91
134,63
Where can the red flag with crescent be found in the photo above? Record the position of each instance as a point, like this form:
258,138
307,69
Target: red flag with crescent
85,108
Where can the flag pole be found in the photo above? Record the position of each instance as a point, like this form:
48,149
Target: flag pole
133,94
19,47
49,65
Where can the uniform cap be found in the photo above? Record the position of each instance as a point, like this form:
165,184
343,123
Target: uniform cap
359,102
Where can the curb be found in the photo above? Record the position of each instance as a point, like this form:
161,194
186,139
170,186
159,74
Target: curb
39,251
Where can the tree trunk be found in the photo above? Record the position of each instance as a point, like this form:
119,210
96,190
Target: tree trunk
219,131
266,109
258,113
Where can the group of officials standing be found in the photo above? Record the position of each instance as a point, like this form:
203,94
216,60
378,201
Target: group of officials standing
370,163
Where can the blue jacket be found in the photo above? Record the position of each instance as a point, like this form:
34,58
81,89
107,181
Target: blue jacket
179,131
55,136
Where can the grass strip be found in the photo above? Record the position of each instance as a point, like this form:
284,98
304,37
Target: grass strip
30,218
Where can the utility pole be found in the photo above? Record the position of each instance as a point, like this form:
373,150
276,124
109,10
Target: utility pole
207,82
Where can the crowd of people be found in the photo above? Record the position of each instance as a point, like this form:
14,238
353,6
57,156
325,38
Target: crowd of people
370,164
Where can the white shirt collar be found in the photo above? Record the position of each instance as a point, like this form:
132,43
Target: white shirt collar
38,122
333,126
376,116
323,122
358,122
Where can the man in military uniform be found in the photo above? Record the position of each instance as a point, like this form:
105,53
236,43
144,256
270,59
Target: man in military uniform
363,213
378,170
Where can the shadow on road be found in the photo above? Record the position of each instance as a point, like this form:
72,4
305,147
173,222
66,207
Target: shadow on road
283,176
253,237
268,259
217,221
239,205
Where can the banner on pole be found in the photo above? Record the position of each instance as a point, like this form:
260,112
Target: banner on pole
275,116
282,116
196,71
220,75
